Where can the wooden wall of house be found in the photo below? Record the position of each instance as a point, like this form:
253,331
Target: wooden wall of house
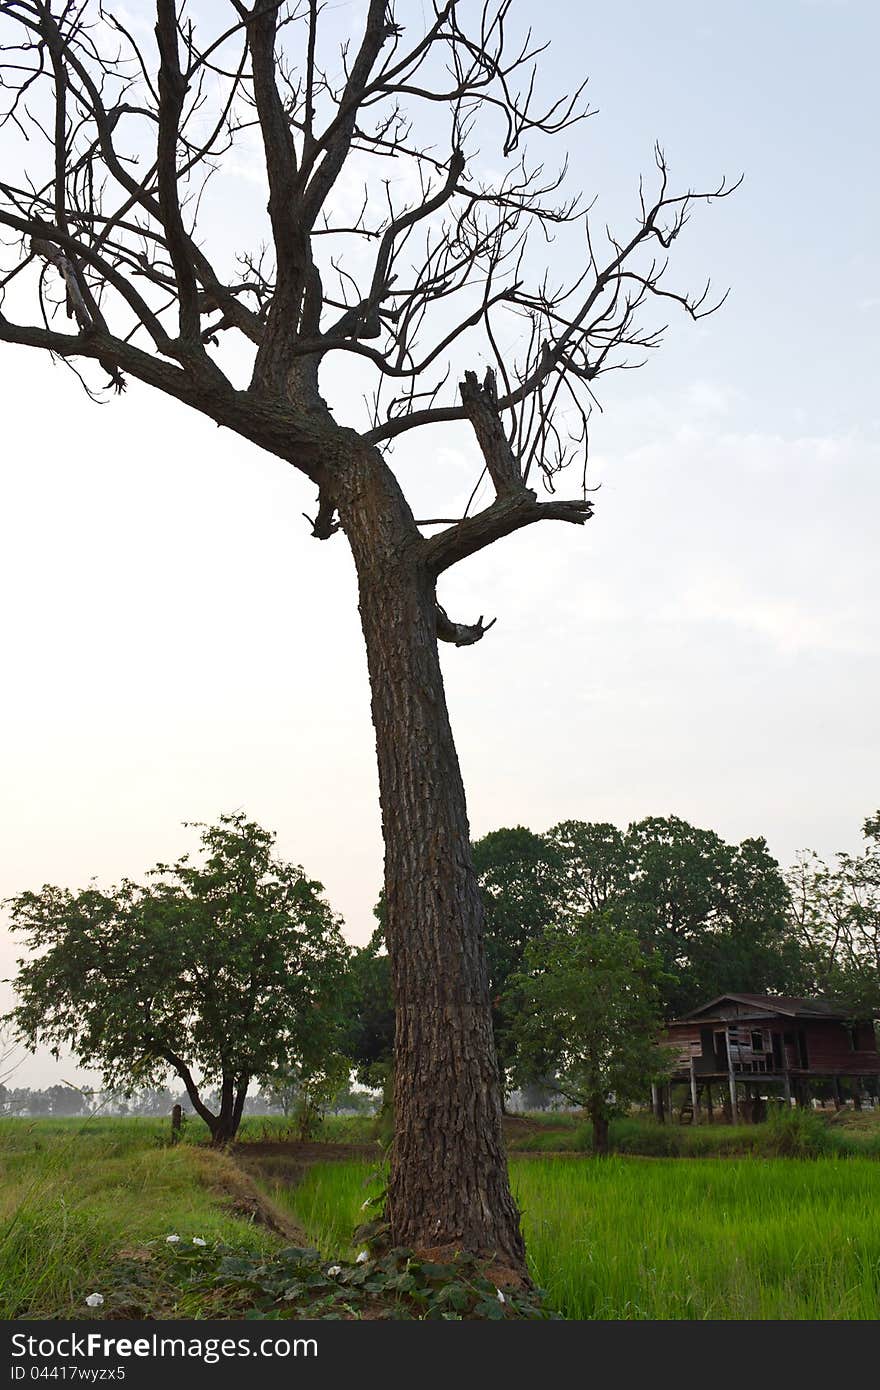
686,1037
829,1048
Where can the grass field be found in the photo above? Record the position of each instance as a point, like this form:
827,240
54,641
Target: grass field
86,1206
628,1238
75,1194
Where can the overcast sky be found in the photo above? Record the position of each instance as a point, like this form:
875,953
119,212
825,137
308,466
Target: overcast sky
176,645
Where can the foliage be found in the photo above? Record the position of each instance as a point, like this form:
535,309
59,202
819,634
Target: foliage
232,966
369,1038
837,916
296,1283
519,876
795,1132
715,914
309,1088
587,1008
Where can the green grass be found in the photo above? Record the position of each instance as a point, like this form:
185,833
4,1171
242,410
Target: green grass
86,1205
742,1238
76,1193
627,1239
330,1201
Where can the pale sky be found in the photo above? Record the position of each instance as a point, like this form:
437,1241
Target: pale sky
176,645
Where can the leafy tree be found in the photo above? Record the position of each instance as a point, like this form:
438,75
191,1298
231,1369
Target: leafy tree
227,968
103,213
307,1089
596,865
587,1015
836,916
350,1101
519,874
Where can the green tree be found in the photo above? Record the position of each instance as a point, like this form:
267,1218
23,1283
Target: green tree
587,1016
307,1087
519,875
369,1037
836,915
222,969
715,914
596,864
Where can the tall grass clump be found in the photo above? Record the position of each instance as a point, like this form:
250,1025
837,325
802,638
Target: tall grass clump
788,1133
799,1133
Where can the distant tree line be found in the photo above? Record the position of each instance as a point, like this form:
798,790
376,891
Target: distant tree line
157,1102
232,974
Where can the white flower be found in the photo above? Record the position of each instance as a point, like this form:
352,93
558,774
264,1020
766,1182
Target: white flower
333,1270
197,1240
171,1240
362,1258
95,1300
501,1298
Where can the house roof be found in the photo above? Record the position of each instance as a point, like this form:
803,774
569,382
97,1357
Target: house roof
786,1005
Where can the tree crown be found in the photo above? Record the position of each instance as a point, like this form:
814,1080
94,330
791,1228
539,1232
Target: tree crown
411,187
231,965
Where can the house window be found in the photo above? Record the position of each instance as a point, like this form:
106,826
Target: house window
757,1041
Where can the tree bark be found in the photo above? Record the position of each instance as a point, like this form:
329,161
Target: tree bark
599,1121
449,1183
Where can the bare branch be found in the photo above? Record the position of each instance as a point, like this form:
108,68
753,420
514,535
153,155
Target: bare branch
172,91
460,634
504,516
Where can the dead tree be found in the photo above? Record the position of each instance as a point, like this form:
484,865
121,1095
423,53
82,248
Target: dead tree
115,256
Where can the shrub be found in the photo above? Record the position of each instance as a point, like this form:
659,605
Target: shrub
797,1133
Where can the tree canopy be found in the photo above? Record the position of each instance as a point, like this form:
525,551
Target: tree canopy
221,970
715,914
519,874
836,911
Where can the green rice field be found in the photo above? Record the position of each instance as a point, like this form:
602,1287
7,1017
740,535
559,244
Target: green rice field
630,1238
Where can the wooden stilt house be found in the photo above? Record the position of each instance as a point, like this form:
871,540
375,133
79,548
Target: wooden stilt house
750,1046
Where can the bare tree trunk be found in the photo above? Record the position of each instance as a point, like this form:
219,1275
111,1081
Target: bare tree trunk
449,1183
